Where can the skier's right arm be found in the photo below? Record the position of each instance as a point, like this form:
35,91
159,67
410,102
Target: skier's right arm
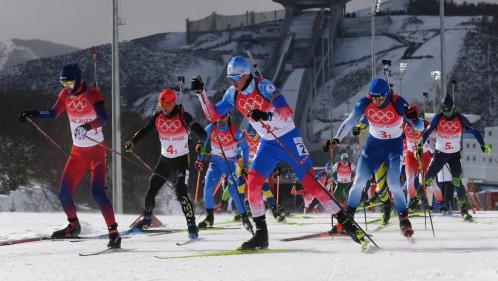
221,108
140,134
431,128
51,113
353,118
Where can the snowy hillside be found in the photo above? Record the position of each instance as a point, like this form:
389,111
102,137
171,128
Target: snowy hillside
460,251
18,51
413,39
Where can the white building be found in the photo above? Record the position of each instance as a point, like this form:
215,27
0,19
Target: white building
476,164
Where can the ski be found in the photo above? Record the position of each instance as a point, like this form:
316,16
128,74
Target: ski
313,235
234,252
106,251
25,240
218,228
188,241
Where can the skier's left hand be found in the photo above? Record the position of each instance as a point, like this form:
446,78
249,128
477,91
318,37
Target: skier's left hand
330,144
80,132
258,115
486,148
411,113
196,84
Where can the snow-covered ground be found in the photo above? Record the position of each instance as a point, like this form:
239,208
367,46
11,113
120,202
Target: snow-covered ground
460,251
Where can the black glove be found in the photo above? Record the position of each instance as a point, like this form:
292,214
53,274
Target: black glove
356,131
411,114
128,146
196,84
258,115
244,173
277,171
330,143
27,114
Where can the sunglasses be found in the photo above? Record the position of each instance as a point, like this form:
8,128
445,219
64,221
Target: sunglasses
235,77
67,83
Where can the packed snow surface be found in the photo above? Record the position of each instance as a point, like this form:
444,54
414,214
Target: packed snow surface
460,251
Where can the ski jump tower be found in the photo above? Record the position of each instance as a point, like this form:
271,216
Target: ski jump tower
312,53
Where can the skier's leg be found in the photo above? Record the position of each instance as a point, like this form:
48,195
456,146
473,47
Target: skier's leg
363,172
269,195
411,168
74,170
213,175
232,183
180,164
97,179
155,184
393,168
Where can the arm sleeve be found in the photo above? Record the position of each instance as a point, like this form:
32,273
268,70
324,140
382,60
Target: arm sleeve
194,126
353,118
101,119
467,127
146,129
271,93
56,109
244,147
431,128
401,107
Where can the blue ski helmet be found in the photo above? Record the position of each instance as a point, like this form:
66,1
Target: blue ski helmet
378,87
71,72
238,66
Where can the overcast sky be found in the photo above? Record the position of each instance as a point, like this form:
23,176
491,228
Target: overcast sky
84,23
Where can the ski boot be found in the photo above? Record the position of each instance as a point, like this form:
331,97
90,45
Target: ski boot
386,212
260,237
412,205
144,223
237,217
464,209
283,211
193,231
246,223
405,225
349,227
466,215
114,237
277,215
72,230
208,221
337,228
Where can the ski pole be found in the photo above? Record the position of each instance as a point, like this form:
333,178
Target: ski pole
220,182
278,188
52,141
232,176
197,187
94,51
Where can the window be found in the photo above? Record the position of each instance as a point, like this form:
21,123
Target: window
473,145
468,145
474,158
468,158
490,133
490,160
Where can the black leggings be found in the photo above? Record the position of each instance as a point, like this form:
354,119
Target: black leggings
441,158
174,169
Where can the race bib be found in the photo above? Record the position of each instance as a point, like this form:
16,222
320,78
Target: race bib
301,148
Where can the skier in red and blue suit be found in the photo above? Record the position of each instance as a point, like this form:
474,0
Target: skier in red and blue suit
386,114
230,138
268,113
85,109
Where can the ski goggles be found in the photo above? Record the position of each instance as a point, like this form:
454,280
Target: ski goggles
236,77
447,109
67,83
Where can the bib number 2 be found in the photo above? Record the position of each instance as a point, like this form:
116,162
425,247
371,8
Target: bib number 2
301,149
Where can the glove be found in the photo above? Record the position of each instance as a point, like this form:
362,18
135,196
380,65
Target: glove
418,151
330,143
27,114
196,84
411,114
80,132
356,131
128,146
258,115
244,173
199,148
277,171
486,148
199,164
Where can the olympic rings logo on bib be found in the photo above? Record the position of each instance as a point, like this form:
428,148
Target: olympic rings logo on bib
251,103
449,126
77,105
380,116
168,125
224,139
343,170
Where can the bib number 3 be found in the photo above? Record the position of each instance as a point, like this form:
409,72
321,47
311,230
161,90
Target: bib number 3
301,149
